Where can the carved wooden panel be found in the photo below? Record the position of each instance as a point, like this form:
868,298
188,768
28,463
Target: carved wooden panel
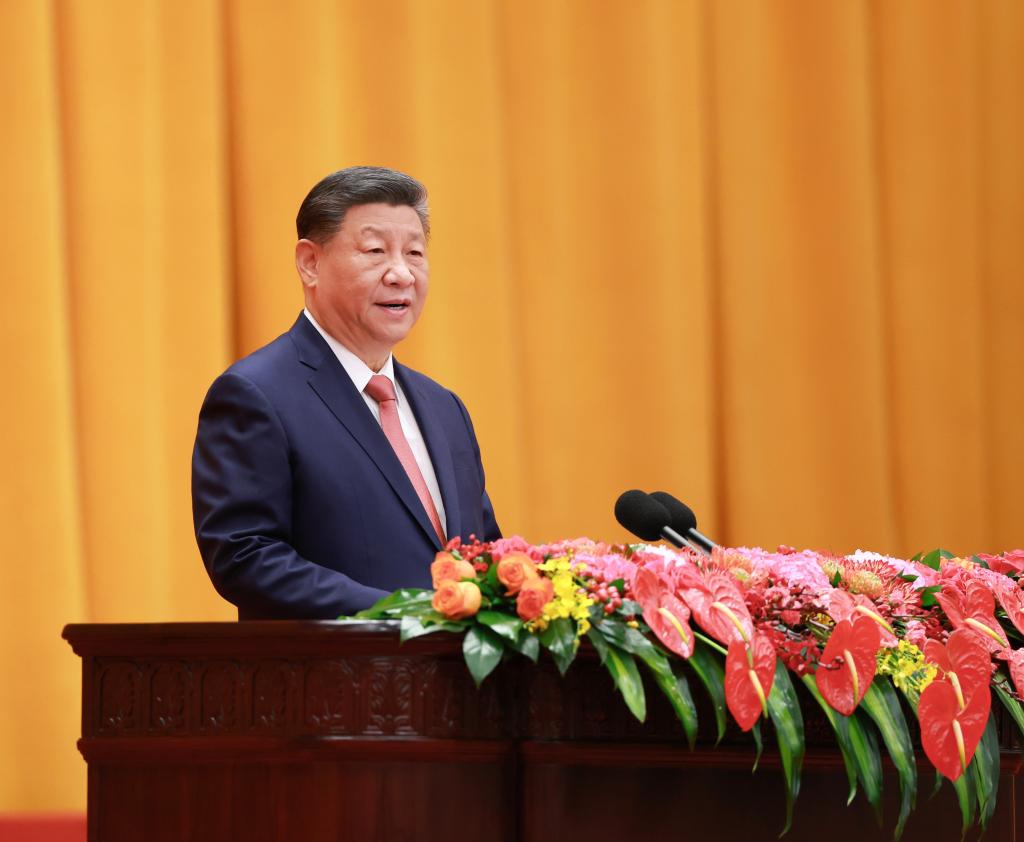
220,696
120,691
169,685
331,695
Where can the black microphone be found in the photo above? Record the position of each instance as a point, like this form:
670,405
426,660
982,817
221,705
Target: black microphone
684,521
645,517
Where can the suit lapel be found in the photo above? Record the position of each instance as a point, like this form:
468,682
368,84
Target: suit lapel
334,387
438,448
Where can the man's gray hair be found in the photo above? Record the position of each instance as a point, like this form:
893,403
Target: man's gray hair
324,208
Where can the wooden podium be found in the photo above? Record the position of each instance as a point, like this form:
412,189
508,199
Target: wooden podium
334,731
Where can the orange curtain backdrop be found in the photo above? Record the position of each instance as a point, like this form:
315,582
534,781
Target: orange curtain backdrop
767,256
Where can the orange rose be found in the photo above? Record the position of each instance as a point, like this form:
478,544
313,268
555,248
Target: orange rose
515,569
533,596
456,600
445,566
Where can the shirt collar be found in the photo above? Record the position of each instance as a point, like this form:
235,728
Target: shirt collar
358,371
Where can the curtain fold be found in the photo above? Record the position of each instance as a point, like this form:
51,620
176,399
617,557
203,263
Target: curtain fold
764,256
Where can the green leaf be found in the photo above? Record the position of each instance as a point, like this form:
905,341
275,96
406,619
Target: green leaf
619,584
964,789
415,625
617,632
504,625
490,584
985,769
934,558
682,702
599,643
482,650
527,644
712,674
671,682
755,732
883,705
928,599
837,577
406,600
784,710
841,725
622,668
631,608
559,638
1014,708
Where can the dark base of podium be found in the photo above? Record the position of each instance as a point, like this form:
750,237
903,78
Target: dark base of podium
324,731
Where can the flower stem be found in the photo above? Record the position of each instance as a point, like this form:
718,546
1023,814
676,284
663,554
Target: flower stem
710,642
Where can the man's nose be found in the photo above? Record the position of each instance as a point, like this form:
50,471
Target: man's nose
399,273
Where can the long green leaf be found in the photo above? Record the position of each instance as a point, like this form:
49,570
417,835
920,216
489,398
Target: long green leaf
599,643
400,601
964,789
755,732
622,668
985,769
784,710
559,638
671,682
1014,708
864,739
712,674
416,625
883,705
677,689
482,650
841,726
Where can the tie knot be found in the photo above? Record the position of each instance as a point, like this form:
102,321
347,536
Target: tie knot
380,388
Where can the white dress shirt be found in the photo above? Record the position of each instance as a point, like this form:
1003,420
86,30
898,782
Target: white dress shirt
360,374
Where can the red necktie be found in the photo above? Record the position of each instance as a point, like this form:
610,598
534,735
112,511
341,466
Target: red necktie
382,390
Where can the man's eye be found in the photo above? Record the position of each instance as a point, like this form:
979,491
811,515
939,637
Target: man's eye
416,253
377,250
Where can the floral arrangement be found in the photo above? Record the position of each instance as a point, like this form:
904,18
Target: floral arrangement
859,632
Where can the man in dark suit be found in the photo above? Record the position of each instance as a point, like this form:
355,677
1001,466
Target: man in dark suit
325,474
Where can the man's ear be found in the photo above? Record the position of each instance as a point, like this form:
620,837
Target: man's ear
307,262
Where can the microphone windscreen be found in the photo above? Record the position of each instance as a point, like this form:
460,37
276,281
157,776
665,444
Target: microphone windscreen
681,517
642,515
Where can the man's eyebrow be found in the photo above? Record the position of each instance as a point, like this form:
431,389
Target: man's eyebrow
370,228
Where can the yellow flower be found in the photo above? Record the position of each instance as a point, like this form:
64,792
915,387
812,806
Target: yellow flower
905,663
568,602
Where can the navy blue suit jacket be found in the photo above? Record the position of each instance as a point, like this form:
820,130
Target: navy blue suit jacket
301,507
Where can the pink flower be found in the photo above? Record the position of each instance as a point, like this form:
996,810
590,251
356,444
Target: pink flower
915,633
1010,562
515,544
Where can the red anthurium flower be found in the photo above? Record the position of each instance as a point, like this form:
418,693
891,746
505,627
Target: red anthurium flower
954,707
1011,562
844,605
974,609
1015,663
719,608
1012,600
964,654
848,663
664,612
749,672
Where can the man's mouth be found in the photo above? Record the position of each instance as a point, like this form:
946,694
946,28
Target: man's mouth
394,306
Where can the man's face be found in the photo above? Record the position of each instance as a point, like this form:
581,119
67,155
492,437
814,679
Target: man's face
366,285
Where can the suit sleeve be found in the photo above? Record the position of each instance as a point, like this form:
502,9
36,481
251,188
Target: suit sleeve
242,510
491,532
